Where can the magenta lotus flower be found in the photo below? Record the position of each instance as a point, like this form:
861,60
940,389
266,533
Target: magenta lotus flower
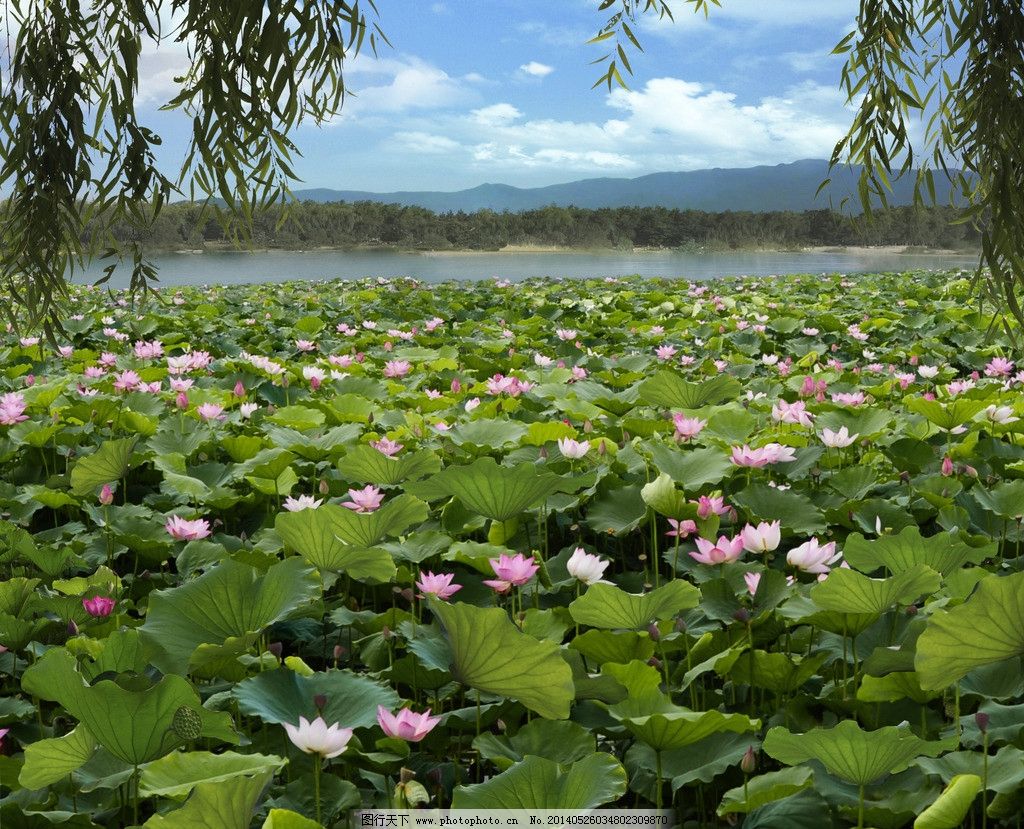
681,529
512,571
12,408
723,551
688,428
813,556
406,724
387,447
761,539
98,607
106,495
317,737
438,585
183,530
367,499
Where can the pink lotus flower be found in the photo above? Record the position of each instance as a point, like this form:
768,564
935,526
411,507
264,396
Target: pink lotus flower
180,384
999,367
305,345
301,503
746,457
387,447
838,440
848,399
12,408
763,538
565,334
947,466
98,607
795,413
752,580
438,585
183,530
406,725
210,411
314,375
148,350
813,557
126,381
688,427
573,449
724,551
246,409
106,495
707,504
397,368
681,529
665,352
367,499
778,453
512,571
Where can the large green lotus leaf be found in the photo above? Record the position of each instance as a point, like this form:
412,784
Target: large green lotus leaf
944,552
676,729
766,503
134,726
281,696
300,418
702,761
617,511
945,415
766,788
366,465
561,741
1004,772
692,468
777,672
287,819
662,496
228,804
536,783
892,687
107,464
178,773
48,761
804,810
488,433
603,646
857,756
987,628
847,591
606,606
1005,500
313,533
366,529
490,490
491,654
669,390
229,601
952,806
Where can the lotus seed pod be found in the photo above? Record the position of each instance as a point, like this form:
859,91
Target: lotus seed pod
187,723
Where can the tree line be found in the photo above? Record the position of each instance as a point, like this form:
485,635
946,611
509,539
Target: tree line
309,225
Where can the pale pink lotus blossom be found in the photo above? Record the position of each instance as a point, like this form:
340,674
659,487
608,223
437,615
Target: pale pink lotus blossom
341,360
472,404
127,381
848,398
438,585
305,345
301,503
999,367
565,334
12,408
838,440
752,580
665,352
397,368
573,449
744,456
586,567
1003,415
386,446
28,342
314,375
210,411
763,538
959,387
512,571
180,384
367,499
724,551
708,504
688,428
406,725
813,556
681,529
148,350
794,413
184,530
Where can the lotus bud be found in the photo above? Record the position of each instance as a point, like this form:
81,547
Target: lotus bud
72,628
405,775
276,649
320,701
501,725
239,389
30,380
543,453
588,427
106,495
981,720
654,662
680,625
434,776
388,345
654,632
602,448
912,610
386,632
339,651
181,401
742,615
324,487
456,385
748,765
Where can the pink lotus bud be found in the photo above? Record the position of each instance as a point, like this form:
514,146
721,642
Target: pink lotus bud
981,720
456,385
181,401
742,615
314,382
320,701
30,380
588,427
239,389
339,651
388,345
276,649
654,632
947,466
324,487
360,357
72,628
106,495
748,765
654,662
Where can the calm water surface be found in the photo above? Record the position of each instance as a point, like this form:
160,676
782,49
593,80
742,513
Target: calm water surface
279,266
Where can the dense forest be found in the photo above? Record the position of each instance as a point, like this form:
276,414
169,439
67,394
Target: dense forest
360,224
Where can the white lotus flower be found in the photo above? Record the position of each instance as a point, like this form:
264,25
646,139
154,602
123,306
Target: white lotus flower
318,737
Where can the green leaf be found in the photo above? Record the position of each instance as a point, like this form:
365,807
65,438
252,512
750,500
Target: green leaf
281,696
675,729
662,496
1005,500
857,756
225,805
48,761
606,606
847,591
484,487
287,819
490,654
952,806
314,534
560,741
899,553
669,390
228,601
366,465
394,517
536,783
766,788
945,415
107,464
693,468
176,774
796,512
987,628
300,418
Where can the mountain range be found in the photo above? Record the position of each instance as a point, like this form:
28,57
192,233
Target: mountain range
791,186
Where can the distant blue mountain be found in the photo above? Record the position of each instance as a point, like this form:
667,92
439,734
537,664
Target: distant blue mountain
758,189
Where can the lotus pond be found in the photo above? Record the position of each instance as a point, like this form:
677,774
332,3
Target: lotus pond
750,550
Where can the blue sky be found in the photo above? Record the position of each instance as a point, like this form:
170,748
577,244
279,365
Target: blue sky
499,91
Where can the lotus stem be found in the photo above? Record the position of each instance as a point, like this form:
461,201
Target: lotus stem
860,806
316,788
657,772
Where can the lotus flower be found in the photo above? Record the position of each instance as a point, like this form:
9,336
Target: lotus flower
681,529
12,408
688,427
750,458
387,447
512,571
367,499
106,496
999,367
573,449
438,585
210,411
406,724
752,580
761,539
813,557
586,567
1002,415
795,413
838,440
397,368
724,551
98,607
302,502
317,737
183,530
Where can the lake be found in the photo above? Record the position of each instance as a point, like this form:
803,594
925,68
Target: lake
227,268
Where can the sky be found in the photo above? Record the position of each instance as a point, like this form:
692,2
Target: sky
475,91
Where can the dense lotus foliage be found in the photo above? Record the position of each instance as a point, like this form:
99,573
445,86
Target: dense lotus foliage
749,549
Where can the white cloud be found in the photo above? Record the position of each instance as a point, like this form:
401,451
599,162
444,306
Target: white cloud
403,84
536,70
425,142
496,115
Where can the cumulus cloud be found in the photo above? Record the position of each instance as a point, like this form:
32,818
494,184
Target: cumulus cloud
536,70
496,115
399,85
